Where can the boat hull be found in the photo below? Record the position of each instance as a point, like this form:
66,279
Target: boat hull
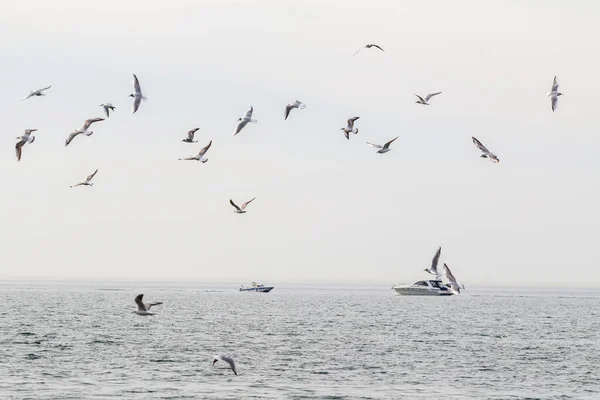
404,291
264,289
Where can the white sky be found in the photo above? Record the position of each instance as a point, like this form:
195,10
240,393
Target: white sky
327,209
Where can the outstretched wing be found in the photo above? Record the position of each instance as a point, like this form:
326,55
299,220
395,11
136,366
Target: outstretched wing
191,133
204,149
436,259
18,148
140,303
351,121
249,112
90,121
246,203
385,146
479,145
235,205
149,305
71,137
288,108
554,85
377,146
90,177
554,100
420,98
374,45
136,85
430,95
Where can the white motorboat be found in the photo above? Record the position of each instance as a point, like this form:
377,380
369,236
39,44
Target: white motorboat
424,288
256,287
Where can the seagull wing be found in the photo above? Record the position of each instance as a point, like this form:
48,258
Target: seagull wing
71,137
231,363
140,303
18,148
90,121
377,146
554,85
351,122
288,108
148,305
374,45
106,108
235,205
136,85
204,150
420,98
554,100
430,95
436,259
246,203
90,177
387,145
240,126
249,112
479,145
136,103
191,133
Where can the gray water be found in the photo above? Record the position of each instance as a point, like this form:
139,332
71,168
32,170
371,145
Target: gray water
80,340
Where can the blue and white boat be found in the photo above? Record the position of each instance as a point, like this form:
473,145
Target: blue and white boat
256,287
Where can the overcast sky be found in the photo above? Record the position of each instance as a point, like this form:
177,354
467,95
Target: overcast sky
327,209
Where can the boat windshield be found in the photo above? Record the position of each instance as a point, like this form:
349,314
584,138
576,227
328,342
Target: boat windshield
421,283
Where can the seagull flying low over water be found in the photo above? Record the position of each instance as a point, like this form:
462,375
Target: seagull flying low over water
244,121
38,92
200,155
138,96
553,94
144,308
88,180
107,107
368,46
83,130
27,137
190,136
434,264
296,104
385,148
425,101
240,210
350,128
228,360
454,285
486,153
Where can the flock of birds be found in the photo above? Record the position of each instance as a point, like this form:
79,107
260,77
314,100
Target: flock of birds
138,96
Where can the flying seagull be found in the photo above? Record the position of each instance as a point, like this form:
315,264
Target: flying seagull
425,101
486,153
38,92
83,130
190,136
27,137
296,104
228,360
554,93
350,127
144,308
241,210
454,285
138,96
107,107
88,180
434,264
385,148
200,155
244,121
368,46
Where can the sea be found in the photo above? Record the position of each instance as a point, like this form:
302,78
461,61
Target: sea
80,340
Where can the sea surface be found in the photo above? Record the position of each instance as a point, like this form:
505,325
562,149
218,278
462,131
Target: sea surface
77,340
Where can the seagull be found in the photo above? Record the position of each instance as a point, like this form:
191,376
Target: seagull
368,47
138,96
144,308
425,101
88,180
296,104
554,93
241,210
190,137
350,127
200,155
38,92
107,106
228,360
385,148
454,285
83,130
26,138
244,121
486,152
434,263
